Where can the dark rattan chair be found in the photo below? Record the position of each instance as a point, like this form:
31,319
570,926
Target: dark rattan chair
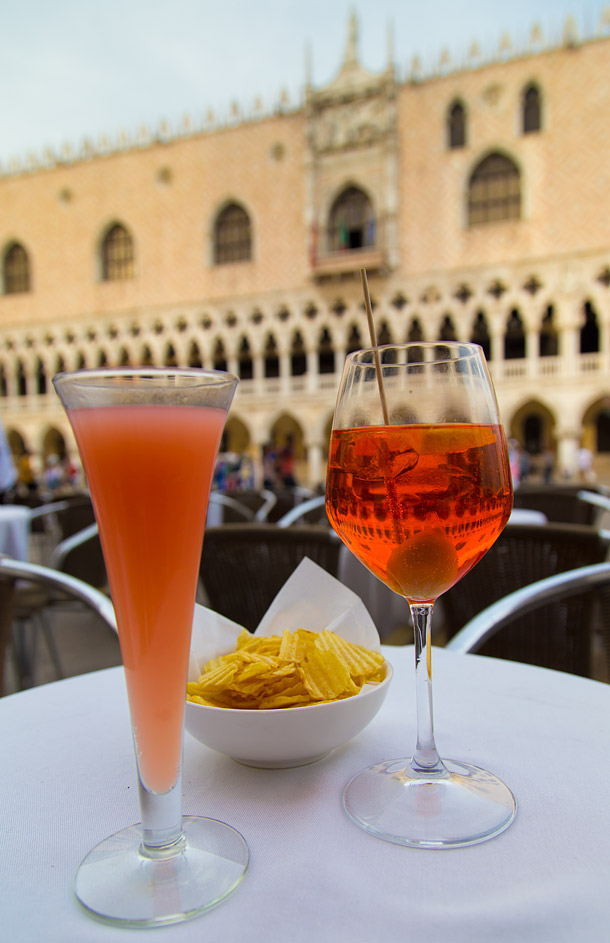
591,583
523,554
243,566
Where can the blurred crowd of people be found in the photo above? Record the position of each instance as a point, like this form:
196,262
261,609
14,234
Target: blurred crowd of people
235,472
22,478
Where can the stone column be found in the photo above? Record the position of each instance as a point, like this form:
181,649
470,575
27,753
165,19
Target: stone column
568,442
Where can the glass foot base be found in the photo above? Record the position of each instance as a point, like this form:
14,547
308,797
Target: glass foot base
119,884
463,805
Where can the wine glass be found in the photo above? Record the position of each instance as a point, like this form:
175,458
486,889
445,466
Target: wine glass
419,488
148,439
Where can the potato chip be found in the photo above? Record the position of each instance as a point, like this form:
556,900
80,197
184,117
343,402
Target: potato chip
292,670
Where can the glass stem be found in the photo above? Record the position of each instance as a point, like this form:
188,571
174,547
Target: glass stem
425,758
161,820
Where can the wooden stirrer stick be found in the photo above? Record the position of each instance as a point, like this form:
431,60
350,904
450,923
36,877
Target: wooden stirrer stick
373,336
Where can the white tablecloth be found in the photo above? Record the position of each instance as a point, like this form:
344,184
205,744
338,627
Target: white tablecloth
15,531
68,780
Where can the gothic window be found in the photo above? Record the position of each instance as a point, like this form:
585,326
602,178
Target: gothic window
22,385
384,335
514,338
219,359
117,254
170,359
447,331
246,367
326,354
548,345
232,235
531,110
494,191
195,355
589,332
298,356
351,223
456,126
16,270
271,359
415,333
41,378
480,334
354,341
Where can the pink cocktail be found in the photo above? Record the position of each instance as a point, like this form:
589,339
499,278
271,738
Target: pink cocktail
148,440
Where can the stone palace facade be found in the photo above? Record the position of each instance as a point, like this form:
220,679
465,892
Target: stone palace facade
477,198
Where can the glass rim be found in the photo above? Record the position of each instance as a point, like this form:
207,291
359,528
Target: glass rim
357,357
152,373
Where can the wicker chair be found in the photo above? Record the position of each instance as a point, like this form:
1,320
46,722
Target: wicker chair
533,600
243,566
523,554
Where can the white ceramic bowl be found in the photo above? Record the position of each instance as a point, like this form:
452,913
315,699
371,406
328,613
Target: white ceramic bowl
285,737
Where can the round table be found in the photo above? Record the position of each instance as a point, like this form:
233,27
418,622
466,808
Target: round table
69,780
15,531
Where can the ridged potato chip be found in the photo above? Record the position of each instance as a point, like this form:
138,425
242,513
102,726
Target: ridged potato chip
292,670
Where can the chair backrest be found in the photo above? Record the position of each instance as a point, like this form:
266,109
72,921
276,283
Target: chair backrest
225,509
12,570
562,504
80,555
589,581
522,555
312,511
243,566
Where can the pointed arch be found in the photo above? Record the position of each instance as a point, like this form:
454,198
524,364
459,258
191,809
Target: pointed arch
494,190
531,109
351,221
16,270
232,235
117,256
456,125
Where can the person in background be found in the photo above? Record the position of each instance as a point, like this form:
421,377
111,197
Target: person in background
26,479
8,472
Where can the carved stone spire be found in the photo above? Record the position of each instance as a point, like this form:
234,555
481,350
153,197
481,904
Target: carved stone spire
351,49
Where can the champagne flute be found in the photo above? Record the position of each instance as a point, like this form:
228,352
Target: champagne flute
419,488
148,439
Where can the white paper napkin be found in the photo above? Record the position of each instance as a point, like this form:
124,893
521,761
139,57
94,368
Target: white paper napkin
310,599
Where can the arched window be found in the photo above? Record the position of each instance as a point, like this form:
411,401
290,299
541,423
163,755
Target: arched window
494,191
246,366
415,332
548,342
298,355
456,126
117,254
16,270
354,341
195,355
589,332
270,358
447,331
351,223
514,338
326,354
219,358
232,235
480,334
531,109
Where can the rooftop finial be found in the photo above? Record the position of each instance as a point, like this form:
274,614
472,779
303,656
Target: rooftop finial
351,49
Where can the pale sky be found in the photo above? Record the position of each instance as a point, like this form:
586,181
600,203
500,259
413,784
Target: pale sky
76,69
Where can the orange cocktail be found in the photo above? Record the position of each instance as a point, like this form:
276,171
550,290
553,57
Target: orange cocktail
149,469
419,504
